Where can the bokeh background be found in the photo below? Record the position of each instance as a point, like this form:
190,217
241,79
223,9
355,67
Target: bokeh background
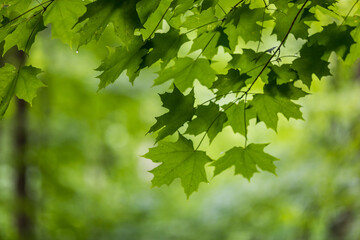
86,178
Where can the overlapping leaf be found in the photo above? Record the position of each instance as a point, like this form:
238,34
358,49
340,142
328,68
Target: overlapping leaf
24,34
122,59
7,86
181,110
310,63
334,38
122,14
209,119
185,71
165,47
284,21
62,15
243,22
233,81
236,114
208,24
154,20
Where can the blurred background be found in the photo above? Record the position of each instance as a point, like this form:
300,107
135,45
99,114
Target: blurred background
85,177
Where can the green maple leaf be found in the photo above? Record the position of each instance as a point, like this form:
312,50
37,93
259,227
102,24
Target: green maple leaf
286,90
208,119
122,14
246,160
202,21
16,6
206,4
122,59
250,63
223,39
233,81
181,6
181,110
7,86
7,74
154,20
165,47
283,73
24,34
243,22
179,160
145,8
268,106
236,116
311,63
185,71
334,38
207,42
6,28
28,83
62,15
281,6
284,20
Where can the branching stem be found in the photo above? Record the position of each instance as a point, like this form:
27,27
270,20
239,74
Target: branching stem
278,48
257,77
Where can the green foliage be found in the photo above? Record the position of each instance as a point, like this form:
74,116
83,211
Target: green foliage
27,83
246,160
179,160
185,71
184,40
24,34
63,15
181,110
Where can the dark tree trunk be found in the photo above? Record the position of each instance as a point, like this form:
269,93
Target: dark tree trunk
23,214
23,218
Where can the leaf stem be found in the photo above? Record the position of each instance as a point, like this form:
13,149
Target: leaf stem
347,15
245,127
278,48
235,6
157,25
222,95
204,25
257,77
212,123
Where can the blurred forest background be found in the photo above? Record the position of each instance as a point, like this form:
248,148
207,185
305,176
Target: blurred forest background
86,178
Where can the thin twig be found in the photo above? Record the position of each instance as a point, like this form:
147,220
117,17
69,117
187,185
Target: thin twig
157,25
245,127
222,95
235,6
257,77
278,48
212,123
347,15
252,69
204,25
207,44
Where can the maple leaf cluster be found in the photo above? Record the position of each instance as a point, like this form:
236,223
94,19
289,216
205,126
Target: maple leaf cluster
271,45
